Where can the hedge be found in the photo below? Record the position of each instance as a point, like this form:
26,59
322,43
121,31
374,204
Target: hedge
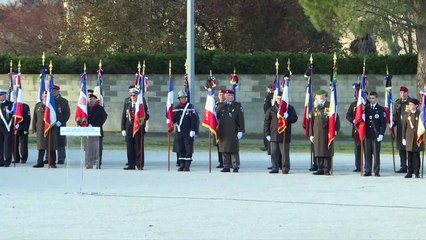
218,61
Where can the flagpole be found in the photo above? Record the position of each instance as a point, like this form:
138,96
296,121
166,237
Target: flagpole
283,155
210,138
311,61
362,140
168,132
49,157
15,130
332,157
392,138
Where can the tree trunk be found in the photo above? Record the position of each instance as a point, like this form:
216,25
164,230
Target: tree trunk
420,7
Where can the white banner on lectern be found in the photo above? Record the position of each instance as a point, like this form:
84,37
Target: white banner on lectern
80,131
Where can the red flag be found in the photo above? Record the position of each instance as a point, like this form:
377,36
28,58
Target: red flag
169,107
210,118
50,110
333,107
359,112
18,109
282,120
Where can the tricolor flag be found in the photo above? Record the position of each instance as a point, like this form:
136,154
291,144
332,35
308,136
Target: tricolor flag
139,107
10,91
169,107
234,83
81,113
18,106
99,88
210,118
276,88
422,120
49,111
389,104
308,101
359,112
42,84
333,106
282,120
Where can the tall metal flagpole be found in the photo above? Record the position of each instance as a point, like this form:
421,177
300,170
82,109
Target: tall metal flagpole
392,139
361,160
169,133
190,45
283,153
332,157
49,156
11,92
311,61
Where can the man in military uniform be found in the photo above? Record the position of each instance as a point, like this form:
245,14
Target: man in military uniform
409,139
20,154
6,130
319,133
399,115
185,120
230,116
220,100
266,105
350,116
134,151
275,138
375,120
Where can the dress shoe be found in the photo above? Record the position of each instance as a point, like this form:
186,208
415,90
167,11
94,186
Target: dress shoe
327,173
409,175
367,174
263,149
1,164
225,170
313,169
235,170
273,171
417,175
129,168
181,168
402,170
17,162
38,165
45,162
318,173
286,171
377,174
356,170
89,167
23,162
219,166
269,168
53,166
61,161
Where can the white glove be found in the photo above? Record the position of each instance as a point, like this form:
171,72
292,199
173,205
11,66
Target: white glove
312,139
25,132
239,135
17,126
380,138
285,115
58,124
90,125
123,133
8,111
353,121
268,138
192,134
404,142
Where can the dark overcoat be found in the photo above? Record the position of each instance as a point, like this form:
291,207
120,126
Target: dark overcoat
271,123
399,115
409,132
62,115
38,128
231,121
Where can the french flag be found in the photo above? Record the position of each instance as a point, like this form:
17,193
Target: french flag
18,107
422,120
389,105
333,108
359,112
210,117
81,113
49,111
169,107
282,120
10,91
42,84
139,107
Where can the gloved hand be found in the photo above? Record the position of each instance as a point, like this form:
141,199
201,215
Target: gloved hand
312,139
268,138
192,134
239,135
380,138
8,111
285,115
90,125
404,142
353,121
17,126
123,133
58,124
25,132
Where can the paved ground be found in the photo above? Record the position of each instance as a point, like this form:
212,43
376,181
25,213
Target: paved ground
156,204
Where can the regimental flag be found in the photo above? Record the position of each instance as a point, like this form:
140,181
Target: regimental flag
10,91
276,88
18,106
169,107
42,87
186,87
422,121
389,105
282,119
210,118
308,101
333,106
359,112
139,118
81,113
234,84
49,111
99,88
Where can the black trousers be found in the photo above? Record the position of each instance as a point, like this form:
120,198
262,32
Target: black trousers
403,158
6,148
372,149
413,162
185,146
324,163
219,156
357,151
135,151
231,160
20,150
41,153
276,155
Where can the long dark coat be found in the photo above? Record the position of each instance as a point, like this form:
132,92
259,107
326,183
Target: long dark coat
231,121
319,129
271,123
399,115
8,117
350,116
97,117
127,119
25,124
38,128
409,132
62,115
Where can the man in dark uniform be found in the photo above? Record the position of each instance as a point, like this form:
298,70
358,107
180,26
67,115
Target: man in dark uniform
20,153
275,138
319,133
375,121
134,150
220,100
185,120
6,130
399,115
350,116
230,116
409,139
266,105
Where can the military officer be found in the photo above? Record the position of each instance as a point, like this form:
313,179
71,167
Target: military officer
185,119
375,120
275,138
319,133
400,111
266,105
230,116
409,139
135,155
6,130
220,100
21,136
350,116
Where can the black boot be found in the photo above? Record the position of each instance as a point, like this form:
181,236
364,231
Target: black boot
187,165
181,166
